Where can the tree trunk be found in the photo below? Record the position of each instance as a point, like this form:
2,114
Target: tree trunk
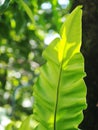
90,51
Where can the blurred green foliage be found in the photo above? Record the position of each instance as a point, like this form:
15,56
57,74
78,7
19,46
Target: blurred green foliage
26,27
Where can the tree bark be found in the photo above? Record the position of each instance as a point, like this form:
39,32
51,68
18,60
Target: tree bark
90,51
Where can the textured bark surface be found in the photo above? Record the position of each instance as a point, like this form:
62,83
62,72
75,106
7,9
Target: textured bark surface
90,52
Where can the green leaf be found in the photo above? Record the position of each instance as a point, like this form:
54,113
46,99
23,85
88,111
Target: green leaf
28,124
27,10
3,5
60,92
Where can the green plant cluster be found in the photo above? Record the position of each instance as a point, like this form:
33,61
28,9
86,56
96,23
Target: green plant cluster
57,104
25,29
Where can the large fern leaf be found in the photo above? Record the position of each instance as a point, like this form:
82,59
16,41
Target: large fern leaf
60,92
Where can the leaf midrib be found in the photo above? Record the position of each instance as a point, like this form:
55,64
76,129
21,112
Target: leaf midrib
57,96
58,87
